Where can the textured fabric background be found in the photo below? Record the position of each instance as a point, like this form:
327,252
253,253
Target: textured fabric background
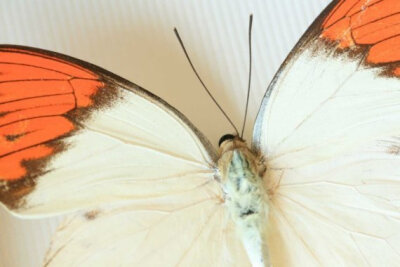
135,40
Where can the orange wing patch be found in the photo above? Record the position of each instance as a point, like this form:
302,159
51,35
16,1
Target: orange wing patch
38,92
374,24
23,141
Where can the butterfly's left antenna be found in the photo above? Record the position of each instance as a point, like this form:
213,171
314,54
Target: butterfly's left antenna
249,84
201,81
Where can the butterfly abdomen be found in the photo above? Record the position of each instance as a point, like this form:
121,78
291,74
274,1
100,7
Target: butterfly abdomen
246,201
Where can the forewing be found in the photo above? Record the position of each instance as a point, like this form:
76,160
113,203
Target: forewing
74,136
329,130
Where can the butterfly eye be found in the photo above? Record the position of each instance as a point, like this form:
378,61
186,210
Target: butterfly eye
225,137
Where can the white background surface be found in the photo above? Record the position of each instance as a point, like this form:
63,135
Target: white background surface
135,40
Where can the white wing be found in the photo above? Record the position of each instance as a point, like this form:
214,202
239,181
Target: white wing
329,131
190,229
127,148
114,141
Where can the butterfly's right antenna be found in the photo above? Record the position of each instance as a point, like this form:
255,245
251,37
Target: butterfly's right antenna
201,81
249,84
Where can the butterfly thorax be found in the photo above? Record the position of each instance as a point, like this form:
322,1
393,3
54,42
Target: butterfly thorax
245,197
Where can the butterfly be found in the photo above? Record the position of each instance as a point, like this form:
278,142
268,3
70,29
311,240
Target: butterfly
326,133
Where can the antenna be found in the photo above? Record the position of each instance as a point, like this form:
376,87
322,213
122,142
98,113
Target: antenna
201,81
249,84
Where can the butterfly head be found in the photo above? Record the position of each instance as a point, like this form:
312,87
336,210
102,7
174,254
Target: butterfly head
229,142
226,137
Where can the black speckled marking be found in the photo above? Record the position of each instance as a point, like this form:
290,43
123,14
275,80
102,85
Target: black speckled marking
246,213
